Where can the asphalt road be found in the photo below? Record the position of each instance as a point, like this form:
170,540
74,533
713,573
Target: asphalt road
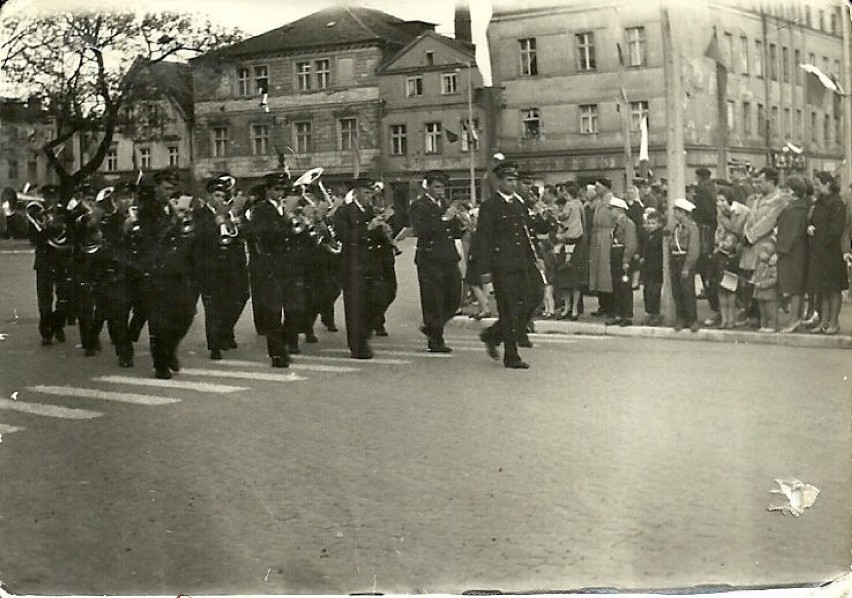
631,463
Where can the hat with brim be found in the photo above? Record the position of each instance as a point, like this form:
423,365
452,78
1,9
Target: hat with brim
684,204
526,176
506,169
702,172
617,202
166,176
363,182
436,176
277,179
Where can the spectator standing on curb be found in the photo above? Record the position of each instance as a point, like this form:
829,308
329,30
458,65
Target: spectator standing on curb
765,281
730,220
600,281
622,254
705,219
792,250
652,267
684,249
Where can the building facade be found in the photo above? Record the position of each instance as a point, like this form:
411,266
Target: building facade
306,93
577,78
431,91
24,130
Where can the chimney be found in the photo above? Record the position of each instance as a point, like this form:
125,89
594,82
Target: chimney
463,21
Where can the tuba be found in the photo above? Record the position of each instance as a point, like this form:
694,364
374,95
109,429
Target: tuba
309,178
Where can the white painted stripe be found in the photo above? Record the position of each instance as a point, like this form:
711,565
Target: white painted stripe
183,384
455,346
373,361
47,410
245,375
16,251
93,393
423,353
4,429
310,367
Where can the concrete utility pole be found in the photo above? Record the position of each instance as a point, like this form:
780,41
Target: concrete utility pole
472,144
846,171
675,152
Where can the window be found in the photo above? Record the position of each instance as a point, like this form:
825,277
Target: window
588,119
744,55
832,23
728,51
430,58
348,131
785,65
747,128
433,138
449,83
220,141
797,60
838,129
788,123
808,20
243,89
174,155
637,111
812,59
775,125
825,64
260,140
414,87
758,58
773,62
399,140
586,51
836,70
800,124
761,119
529,63
468,140
145,157
261,79
822,20
303,75
531,123
731,116
323,68
814,129
636,47
826,129
112,160
304,137
13,168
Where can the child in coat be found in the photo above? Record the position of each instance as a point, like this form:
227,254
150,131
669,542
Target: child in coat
765,281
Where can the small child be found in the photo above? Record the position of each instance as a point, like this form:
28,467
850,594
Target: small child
765,279
651,265
546,243
724,261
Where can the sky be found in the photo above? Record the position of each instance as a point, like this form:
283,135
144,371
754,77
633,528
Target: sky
257,16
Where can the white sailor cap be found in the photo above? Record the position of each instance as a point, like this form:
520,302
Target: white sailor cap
617,202
684,204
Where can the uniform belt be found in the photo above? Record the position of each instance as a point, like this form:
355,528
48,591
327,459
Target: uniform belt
679,253
617,246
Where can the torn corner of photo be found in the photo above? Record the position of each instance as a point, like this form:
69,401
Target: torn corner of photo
793,496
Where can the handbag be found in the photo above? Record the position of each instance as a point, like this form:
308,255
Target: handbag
730,281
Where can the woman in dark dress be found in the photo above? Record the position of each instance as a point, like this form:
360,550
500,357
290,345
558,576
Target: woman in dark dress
792,250
826,268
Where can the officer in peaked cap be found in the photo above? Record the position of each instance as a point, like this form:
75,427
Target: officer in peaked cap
437,225
277,180
506,170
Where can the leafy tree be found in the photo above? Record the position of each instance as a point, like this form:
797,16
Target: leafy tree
76,65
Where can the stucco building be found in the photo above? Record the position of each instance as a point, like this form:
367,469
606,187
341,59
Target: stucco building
24,129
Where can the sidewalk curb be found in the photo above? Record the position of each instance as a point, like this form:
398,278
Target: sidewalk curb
719,336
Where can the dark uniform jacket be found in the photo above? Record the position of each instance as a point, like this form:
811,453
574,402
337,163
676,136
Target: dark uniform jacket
210,256
705,203
435,236
363,251
503,241
280,250
116,255
158,247
652,256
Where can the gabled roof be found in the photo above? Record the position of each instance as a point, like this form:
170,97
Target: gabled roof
173,79
467,49
331,26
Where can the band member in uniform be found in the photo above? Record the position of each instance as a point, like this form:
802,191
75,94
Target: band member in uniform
257,275
386,251
282,291
48,234
323,268
437,226
504,244
537,223
89,270
359,231
163,257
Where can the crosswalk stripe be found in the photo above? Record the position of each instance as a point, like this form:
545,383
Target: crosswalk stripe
245,375
47,410
395,353
310,367
455,346
4,429
94,393
373,361
199,386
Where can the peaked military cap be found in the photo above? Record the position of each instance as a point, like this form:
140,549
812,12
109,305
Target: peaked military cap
216,184
277,179
526,175
363,182
506,169
436,175
166,176
702,172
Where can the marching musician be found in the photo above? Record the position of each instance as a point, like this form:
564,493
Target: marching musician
537,223
89,269
503,243
437,226
386,250
257,273
220,266
48,233
358,228
323,264
282,291
162,244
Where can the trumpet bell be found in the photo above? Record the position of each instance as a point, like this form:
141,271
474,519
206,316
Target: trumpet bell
104,194
310,177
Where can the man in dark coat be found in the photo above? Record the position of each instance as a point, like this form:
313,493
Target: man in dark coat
504,243
704,216
437,226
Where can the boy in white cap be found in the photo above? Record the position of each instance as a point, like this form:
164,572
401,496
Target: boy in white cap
684,250
622,251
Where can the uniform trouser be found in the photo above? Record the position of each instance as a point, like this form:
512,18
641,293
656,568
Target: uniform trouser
224,296
138,304
90,315
440,296
257,275
534,297
116,310
683,290
322,290
364,300
50,281
514,293
388,294
283,306
170,305
622,291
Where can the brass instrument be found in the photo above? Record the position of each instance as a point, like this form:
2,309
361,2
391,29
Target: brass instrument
104,201
88,229
309,178
185,221
228,230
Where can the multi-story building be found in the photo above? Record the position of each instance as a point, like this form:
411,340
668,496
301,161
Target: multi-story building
307,91
562,67
155,130
24,129
431,92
